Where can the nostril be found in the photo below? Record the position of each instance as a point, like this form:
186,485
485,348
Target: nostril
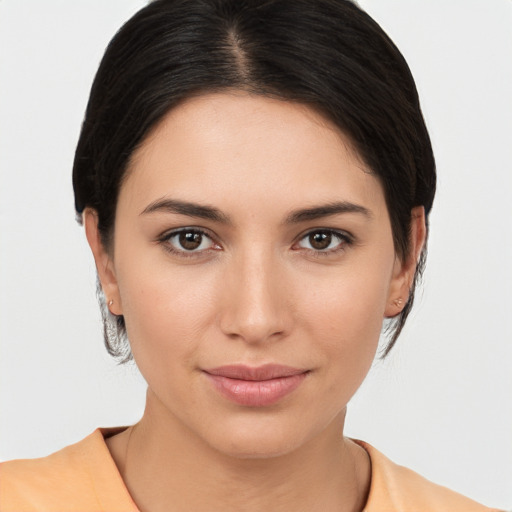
255,305
254,324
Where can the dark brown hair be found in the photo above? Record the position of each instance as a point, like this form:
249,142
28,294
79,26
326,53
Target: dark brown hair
327,54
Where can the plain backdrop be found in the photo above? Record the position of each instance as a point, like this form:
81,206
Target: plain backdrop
442,401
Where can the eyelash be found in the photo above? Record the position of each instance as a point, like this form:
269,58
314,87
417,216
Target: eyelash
165,240
344,238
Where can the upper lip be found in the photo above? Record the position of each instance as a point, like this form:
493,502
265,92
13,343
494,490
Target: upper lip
264,372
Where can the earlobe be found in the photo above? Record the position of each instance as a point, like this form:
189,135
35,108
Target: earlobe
104,263
404,271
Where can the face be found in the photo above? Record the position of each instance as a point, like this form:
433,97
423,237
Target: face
253,262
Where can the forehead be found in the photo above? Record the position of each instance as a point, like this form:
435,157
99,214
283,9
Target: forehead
229,146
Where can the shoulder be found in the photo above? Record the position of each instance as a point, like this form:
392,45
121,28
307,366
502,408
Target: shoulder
76,478
49,482
395,488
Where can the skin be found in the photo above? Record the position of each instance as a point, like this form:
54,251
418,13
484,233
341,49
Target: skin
256,291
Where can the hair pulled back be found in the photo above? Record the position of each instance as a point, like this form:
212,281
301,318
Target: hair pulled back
327,54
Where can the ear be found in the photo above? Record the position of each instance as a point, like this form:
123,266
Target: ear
403,271
104,263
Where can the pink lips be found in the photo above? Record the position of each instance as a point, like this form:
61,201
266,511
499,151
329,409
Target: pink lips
255,386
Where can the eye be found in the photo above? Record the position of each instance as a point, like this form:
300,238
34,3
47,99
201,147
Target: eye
188,240
324,240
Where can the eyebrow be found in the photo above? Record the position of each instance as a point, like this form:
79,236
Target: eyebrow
187,208
212,213
334,208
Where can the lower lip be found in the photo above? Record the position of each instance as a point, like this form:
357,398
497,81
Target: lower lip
256,393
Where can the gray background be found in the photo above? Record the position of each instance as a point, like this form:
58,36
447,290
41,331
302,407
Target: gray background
440,404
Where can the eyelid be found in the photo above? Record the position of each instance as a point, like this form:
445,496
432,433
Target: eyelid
175,231
346,239
165,237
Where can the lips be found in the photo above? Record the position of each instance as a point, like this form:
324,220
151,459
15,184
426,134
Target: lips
255,386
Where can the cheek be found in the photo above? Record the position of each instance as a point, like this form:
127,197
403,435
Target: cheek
344,317
166,309
349,301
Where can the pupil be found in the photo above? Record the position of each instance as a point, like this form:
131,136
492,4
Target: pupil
320,240
190,240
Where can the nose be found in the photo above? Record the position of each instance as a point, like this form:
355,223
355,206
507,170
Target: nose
256,304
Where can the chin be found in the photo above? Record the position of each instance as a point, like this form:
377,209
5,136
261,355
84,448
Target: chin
253,439
258,448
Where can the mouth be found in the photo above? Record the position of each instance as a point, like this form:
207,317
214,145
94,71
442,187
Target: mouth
255,386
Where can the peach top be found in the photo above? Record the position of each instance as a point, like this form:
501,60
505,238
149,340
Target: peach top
83,477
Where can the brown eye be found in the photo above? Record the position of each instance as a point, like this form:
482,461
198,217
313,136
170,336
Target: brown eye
190,240
320,240
325,240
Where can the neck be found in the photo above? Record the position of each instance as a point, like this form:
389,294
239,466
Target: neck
163,463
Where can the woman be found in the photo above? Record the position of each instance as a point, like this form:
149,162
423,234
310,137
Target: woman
255,180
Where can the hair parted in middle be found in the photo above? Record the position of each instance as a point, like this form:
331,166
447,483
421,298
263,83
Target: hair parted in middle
327,54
